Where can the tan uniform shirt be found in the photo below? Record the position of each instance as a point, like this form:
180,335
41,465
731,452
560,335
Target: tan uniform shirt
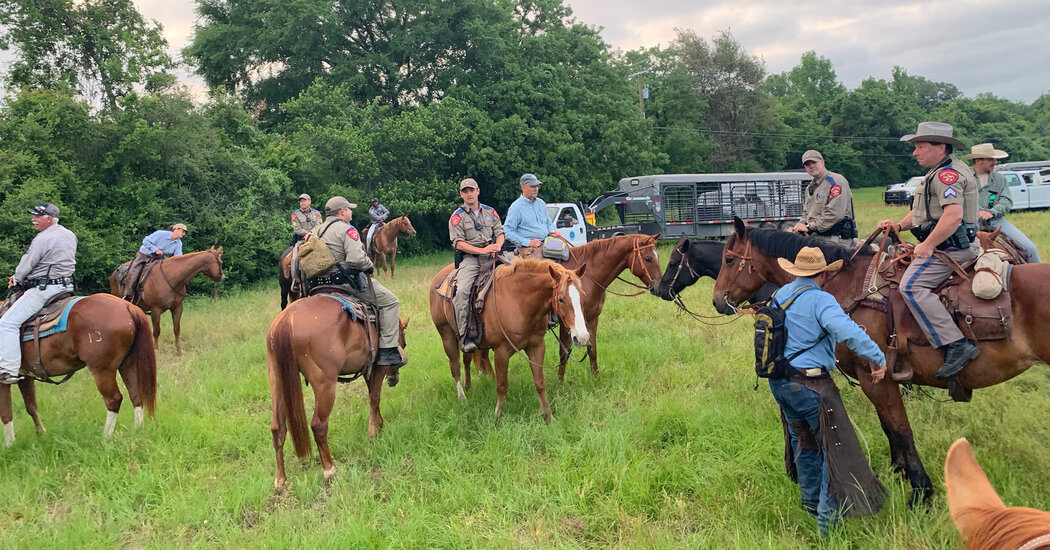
344,242
476,230
828,200
304,222
951,182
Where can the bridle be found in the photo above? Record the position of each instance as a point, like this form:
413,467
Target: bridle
677,296
636,258
745,259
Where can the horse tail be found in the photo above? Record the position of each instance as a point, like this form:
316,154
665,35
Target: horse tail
145,358
289,389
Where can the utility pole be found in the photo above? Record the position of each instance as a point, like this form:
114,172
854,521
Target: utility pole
643,90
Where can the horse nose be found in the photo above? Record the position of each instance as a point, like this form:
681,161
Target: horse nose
580,340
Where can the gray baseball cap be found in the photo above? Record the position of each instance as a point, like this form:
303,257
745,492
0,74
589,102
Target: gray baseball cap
530,179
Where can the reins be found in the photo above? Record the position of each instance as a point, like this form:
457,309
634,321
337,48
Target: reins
499,323
636,255
678,301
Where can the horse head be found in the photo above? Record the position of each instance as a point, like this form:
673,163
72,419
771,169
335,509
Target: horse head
568,302
404,225
214,269
987,239
645,263
738,279
679,274
978,512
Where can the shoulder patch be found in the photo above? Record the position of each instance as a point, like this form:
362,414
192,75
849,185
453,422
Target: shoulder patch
353,234
950,193
836,190
493,210
948,176
454,220
294,217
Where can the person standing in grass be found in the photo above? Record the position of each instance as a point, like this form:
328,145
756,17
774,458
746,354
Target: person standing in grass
832,470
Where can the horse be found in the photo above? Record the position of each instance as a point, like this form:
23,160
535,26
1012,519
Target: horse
284,277
315,337
691,260
750,259
165,287
980,515
384,241
107,335
605,260
515,317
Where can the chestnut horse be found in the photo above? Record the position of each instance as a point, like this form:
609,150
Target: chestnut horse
750,259
107,335
165,286
515,318
284,277
982,518
315,337
605,260
384,242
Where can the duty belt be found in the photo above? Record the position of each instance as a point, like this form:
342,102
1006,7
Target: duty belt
44,281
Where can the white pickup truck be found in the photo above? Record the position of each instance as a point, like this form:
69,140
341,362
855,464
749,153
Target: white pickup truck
1029,189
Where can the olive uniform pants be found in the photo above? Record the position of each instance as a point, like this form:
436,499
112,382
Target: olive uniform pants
469,268
917,284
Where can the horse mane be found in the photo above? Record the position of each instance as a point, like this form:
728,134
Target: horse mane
601,246
787,245
1006,527
533,266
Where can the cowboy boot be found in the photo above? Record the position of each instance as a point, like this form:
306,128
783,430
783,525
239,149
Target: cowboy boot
956,355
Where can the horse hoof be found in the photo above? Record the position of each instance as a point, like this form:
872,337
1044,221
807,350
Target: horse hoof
279,485
329,474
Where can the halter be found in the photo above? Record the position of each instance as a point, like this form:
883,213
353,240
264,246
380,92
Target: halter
744,259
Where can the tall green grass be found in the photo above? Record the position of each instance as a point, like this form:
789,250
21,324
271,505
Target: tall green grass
670,447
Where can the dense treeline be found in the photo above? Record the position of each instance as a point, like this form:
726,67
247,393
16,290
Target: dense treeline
400,100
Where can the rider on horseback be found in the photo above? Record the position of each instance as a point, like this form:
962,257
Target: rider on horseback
304,219
46,269
351,273
994,197
156,246
377,215
476,241
527,220
943,217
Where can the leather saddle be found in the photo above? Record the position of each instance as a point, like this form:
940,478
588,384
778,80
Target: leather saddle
122,275
361,312
478,292
49,320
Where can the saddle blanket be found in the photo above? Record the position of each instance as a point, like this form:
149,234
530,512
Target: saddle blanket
54,326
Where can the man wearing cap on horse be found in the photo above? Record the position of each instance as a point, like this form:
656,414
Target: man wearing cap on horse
377,215
994,199
352,274
477,235
304,219
828,212
527,220
809,400
156,246
46,269
944,218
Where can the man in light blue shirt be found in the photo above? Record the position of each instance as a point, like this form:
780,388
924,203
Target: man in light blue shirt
815,323
527,221
155,246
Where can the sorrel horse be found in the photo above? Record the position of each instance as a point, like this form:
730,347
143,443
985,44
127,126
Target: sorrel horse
691,260
315,337
515,318
384,242
750,259
284,277
165,286
605,260
982,518
107,335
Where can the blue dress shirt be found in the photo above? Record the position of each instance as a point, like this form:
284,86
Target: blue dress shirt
527,220
161,239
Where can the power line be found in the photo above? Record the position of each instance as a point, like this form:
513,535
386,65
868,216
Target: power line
808,136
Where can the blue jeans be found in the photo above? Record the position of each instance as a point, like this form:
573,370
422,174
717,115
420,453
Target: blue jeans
801,404
11,323
1010,231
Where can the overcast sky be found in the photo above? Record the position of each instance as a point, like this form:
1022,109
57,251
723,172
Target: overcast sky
980,46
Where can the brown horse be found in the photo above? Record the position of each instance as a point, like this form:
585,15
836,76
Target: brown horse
165,286
106,335
750,259
982,518
605,260
284,277
315,337
384,242
515,318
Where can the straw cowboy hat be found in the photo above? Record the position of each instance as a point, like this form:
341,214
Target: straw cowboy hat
809,261
935,132
985,151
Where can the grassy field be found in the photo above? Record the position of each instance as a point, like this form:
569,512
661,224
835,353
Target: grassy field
670,447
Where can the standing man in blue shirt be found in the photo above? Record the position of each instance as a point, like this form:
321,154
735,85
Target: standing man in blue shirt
527,220
157,245
809,399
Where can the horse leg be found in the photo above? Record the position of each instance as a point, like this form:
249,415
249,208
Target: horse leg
278,429
324,400
28,388
130,378
564,350
536,353
106,382
7,416
375,390
886,397
393,256
176,325
468,358
451,346
592,347
154,315
502,357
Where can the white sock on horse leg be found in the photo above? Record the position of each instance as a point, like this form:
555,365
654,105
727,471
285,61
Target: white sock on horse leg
138,416
9,434
111,422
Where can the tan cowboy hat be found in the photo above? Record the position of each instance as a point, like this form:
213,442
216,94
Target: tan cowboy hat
985,151
809,261
935,132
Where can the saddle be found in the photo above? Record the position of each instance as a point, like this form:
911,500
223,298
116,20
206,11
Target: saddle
448,288
361,312
122,275
51,319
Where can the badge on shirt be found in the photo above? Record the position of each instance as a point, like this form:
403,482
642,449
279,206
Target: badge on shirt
454,220
948,176
493,210
950,193
293,217
836,190
353,234
820,194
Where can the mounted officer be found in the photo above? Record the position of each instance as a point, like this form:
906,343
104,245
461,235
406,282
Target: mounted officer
943,217
828,211
351,273
477,235
304,219
377,215
46,269
156,246
994,199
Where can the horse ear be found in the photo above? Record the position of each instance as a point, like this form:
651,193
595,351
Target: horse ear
554,274
579,272
970,495
740,226
404,322
995,234
219,250
683,246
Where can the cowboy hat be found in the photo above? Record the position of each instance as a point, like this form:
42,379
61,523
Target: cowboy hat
985,151
934,132
809,261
